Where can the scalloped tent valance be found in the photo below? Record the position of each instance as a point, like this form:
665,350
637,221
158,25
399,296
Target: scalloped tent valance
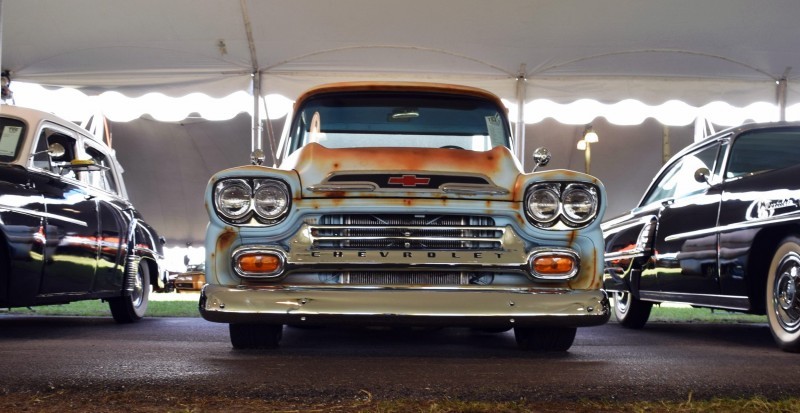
697,52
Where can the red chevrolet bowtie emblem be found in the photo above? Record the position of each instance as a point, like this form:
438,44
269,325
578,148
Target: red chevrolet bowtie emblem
408,180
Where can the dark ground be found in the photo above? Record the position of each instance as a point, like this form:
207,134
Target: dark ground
187,364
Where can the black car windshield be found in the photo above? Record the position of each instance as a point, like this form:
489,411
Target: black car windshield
400,119
12,132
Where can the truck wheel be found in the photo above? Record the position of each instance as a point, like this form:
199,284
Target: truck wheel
630,311
127,309
255,336
545,338
783,295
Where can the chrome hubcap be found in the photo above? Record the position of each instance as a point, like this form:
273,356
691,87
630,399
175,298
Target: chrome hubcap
138,290
621,301
784,293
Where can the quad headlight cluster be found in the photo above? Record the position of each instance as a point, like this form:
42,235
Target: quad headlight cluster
240,200
573,204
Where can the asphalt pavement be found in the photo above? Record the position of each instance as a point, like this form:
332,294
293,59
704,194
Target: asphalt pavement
662,361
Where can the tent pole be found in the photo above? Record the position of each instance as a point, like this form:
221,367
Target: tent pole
783,84
256,150
519,129
1,35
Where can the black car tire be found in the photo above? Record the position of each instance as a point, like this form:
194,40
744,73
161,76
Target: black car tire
545,338
255,336
783,295
630,311
131,308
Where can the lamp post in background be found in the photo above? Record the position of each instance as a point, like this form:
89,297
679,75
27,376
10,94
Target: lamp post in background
585,145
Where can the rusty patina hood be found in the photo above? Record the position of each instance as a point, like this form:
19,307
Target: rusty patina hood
414,172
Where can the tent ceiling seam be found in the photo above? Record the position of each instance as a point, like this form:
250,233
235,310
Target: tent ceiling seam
248,28
398,47
678,51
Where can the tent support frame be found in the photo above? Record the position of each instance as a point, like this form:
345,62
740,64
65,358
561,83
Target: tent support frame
519,128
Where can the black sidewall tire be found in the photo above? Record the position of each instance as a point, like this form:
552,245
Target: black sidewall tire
542,339
255,336
633,312
124,309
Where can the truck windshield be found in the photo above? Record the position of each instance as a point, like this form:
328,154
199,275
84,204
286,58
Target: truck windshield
399,119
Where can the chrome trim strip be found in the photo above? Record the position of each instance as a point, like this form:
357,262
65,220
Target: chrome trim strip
731,302
731,227
621,255
467,189
44,215
644,220
354,186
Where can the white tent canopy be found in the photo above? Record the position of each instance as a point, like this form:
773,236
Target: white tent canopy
570,60
695,51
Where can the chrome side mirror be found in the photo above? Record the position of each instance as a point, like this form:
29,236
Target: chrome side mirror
703,176
56,150
257,157
541,156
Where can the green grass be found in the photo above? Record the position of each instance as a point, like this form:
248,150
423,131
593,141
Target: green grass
97,308
68,401
701,315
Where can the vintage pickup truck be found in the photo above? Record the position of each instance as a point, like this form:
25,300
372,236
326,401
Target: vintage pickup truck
402,204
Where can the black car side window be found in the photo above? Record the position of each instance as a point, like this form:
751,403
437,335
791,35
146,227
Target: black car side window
104,177
762,151
678,180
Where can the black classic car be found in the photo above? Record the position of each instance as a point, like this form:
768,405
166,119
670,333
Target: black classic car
67,230
719,227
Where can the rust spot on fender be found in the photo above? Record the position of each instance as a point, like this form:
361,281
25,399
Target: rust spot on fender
315,163
572,235
225,240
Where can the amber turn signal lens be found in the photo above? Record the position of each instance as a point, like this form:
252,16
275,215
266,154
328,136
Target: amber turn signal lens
259,263
553,264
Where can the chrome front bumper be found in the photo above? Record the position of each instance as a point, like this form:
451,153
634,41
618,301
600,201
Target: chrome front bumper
478,307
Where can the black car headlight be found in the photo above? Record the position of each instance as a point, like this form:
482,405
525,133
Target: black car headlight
572,204
239,200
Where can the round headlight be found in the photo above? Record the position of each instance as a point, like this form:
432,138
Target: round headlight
579,203
233,198
543,204
271,199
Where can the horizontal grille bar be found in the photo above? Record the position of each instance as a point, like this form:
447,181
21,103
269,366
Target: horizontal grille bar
406,232
440,278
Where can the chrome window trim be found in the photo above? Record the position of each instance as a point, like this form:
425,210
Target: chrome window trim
731,227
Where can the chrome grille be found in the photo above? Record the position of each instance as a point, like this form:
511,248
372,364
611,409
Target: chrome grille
444,232
436,278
